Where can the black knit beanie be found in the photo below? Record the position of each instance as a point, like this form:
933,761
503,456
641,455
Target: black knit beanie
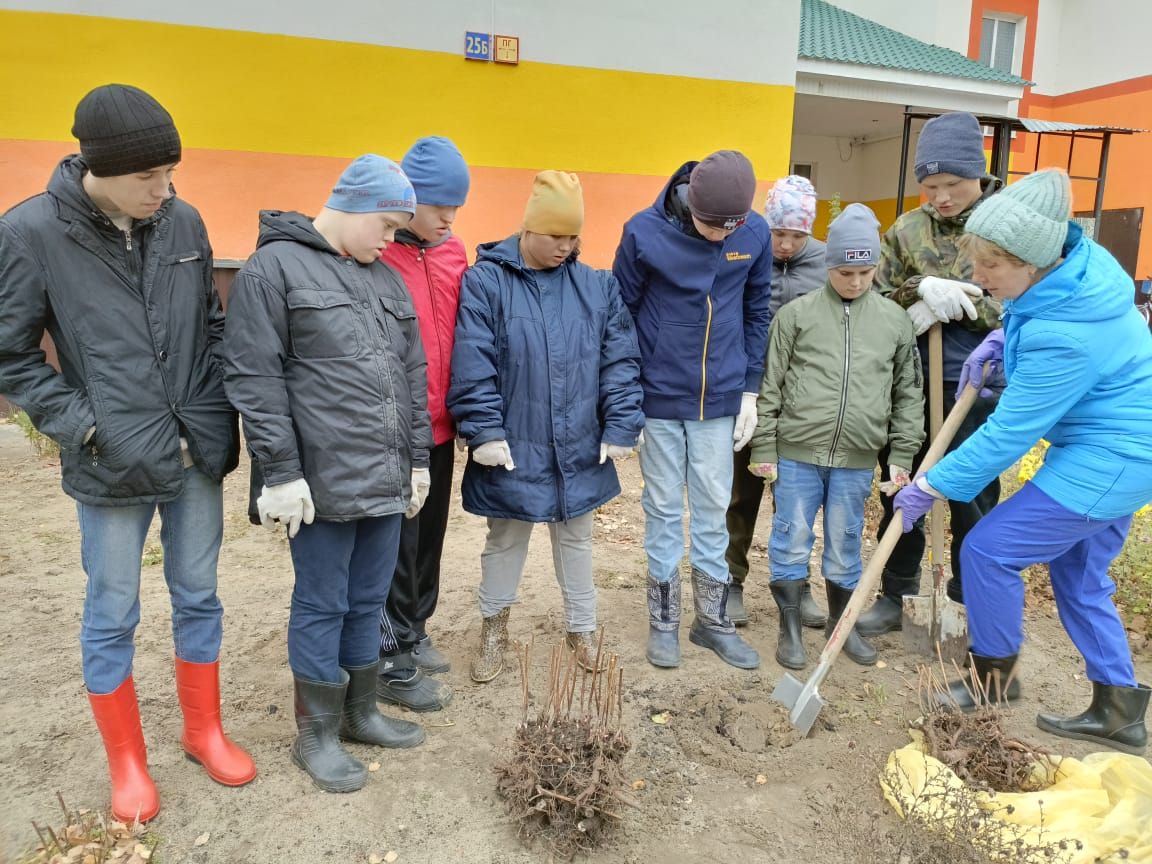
720,189
122,130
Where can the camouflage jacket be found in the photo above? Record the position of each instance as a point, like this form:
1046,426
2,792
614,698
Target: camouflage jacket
923,243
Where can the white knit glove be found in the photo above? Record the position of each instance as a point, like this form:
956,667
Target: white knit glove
421,482
613,451
286,503
949,299
922,317
494,454
898,478
745,421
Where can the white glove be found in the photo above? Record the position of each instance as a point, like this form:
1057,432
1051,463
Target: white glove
286,503
613,451
494,454
421,482
898,478
745,421
764,470
923,319
949,299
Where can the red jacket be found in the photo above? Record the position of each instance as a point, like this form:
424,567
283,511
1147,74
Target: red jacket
433,275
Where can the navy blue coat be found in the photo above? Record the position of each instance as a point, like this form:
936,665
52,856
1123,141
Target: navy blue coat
546,360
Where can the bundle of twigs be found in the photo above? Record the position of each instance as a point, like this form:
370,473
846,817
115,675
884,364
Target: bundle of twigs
564,783
88,837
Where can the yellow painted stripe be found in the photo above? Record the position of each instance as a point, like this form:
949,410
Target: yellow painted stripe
234,90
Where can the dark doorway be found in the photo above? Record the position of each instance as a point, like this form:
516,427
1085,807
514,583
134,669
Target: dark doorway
1119,234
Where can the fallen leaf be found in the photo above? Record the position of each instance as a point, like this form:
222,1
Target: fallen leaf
373,766
880,664
375,859
390,857
202,839
761,779
142,851
638,784
661,718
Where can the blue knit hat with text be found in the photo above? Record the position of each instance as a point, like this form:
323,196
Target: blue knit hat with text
437,171
1029,218
372,184
951,144
854,238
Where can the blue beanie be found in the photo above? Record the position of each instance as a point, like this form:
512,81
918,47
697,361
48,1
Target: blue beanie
951,144
372,184
437,171
853,238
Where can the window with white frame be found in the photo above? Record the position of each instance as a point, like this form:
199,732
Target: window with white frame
1001,39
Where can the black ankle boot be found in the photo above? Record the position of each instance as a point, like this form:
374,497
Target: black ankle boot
789,595
997,684
734,606
855,646
317,748
811,615
1115,719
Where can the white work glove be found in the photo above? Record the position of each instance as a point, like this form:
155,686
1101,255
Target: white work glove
764,470
898,478
949,299
286,503
923,319
613,451
494,454
745,421
421,482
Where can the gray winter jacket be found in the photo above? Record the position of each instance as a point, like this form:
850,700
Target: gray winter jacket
136,323
323,357
801,274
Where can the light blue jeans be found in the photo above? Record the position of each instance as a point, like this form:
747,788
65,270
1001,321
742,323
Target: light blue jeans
802,489
696,454
111,547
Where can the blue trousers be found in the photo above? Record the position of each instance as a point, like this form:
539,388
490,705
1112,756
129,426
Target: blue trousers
1032,528
343,573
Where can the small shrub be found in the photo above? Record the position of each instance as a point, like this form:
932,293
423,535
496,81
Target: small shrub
44,446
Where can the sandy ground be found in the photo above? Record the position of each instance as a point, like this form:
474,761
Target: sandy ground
436,803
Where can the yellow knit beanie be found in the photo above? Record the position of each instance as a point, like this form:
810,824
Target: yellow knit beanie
556,205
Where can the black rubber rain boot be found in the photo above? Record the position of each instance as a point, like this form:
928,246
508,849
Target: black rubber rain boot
811,615
789,596
317,748
857,649
734,606
998,684
430,659
362,721
664,622
711,627
1115,719
402,682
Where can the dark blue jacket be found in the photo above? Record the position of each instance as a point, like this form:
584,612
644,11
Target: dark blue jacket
546,360
701,308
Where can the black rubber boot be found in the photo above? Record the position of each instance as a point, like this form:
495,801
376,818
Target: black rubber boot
857,649
734,605
884,616
402,682
998,684
790,651
1115,719
711,627
362,721
317,748
664,622
811,615
430,659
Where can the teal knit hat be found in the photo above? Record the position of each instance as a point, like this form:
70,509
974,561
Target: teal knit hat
1029,218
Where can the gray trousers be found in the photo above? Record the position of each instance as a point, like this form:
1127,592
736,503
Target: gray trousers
502,566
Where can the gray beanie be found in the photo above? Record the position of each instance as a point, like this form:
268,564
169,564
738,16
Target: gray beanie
1029,218
721,188
951,144
854,238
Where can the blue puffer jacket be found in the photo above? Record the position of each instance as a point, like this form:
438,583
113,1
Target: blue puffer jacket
546,360
1078,358
701,308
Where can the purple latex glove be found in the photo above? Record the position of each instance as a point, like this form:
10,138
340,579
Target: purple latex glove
913,502
991,350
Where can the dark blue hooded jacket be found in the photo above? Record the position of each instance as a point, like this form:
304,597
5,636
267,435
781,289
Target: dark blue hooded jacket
546,360
701,308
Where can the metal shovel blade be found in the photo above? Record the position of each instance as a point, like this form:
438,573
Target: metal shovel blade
935,620
805,707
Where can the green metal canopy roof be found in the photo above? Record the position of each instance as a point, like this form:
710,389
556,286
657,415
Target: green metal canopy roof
830,33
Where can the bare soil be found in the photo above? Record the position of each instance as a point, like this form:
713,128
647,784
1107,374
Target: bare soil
726,778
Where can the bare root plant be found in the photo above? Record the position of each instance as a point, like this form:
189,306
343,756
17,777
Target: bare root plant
87,837
564,783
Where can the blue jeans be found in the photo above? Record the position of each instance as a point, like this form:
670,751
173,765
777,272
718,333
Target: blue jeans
1032,528
343,573
802,489
111,546
696,454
